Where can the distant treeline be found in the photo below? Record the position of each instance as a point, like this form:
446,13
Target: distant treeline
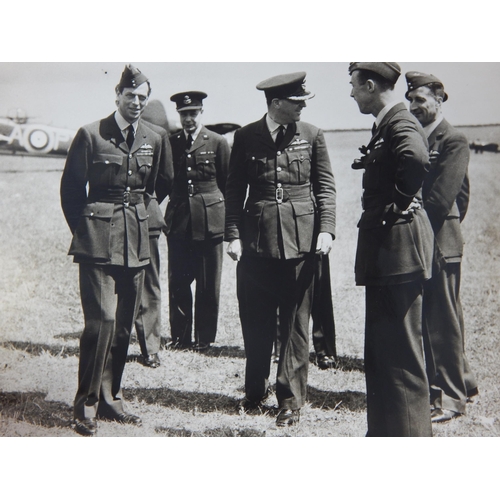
368,129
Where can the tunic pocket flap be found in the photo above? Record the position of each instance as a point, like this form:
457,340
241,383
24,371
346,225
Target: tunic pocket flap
303,208
212,199
99,210
141,212
107,159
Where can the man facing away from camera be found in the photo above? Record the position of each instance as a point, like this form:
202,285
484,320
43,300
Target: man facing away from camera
277,236
446,198
394,255
119,158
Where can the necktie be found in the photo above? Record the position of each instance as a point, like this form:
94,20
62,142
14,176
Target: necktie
374,128
130,136
280,136
189,142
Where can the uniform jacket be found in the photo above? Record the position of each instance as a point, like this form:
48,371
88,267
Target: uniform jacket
392,248
163,185
291,195
196,206
446,189
110,223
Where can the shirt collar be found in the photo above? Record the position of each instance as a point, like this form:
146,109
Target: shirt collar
383,112
124,124
194,134
272,125
428,129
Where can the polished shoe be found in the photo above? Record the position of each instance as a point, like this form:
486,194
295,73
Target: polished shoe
85,426
201,346
248,405
439,415
325,362
127,418
151,361
287,417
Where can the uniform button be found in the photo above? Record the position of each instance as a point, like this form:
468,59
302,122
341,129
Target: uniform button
189,156
279,184
107,162
279,169
189,169
130,156
206,161
279,153
253,157
384,223
130,172
190,181
220,199
127,189
92,214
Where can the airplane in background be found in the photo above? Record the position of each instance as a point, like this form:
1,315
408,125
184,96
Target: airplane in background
19,135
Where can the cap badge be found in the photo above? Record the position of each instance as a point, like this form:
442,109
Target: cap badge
187,100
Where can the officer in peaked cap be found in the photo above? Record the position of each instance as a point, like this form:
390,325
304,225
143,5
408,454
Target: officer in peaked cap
277,234
195,225
445,195
393,256
122,162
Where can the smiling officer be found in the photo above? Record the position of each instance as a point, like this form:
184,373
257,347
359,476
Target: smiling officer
119,158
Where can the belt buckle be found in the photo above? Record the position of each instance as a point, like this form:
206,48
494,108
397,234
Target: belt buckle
190,189
279,194
126,199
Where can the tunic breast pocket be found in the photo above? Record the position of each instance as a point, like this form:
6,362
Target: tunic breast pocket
256,166
299,163
205,166
304,224
105,169
144,164
373,164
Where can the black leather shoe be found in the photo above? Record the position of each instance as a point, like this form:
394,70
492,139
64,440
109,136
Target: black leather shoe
127,418
85,426
325,362
439,415
287,417
201,346
151,361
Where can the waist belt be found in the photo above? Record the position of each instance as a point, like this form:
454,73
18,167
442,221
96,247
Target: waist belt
280,192
126,197
195,187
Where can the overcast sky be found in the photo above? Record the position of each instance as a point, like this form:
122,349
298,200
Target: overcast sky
73,94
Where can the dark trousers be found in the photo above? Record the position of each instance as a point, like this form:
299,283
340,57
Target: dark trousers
265,286
148,321
396,383
110,298
323,322
444,340
189,261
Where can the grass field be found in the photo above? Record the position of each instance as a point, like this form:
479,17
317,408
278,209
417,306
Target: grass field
194,394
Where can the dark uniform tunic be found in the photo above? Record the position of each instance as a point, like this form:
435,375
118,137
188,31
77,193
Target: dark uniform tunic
446,198
291,198
195,228
111,244
394,257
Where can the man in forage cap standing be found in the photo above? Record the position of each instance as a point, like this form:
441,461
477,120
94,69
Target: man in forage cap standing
121,161
446,198
276,236
394,255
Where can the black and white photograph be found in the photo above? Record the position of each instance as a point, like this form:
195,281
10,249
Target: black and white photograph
199,246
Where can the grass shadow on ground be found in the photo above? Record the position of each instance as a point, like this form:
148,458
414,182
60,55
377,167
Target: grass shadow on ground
184,401
218,432
326,400
35,349
31,407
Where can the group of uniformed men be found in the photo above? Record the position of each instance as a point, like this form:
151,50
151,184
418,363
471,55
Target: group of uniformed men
273,199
